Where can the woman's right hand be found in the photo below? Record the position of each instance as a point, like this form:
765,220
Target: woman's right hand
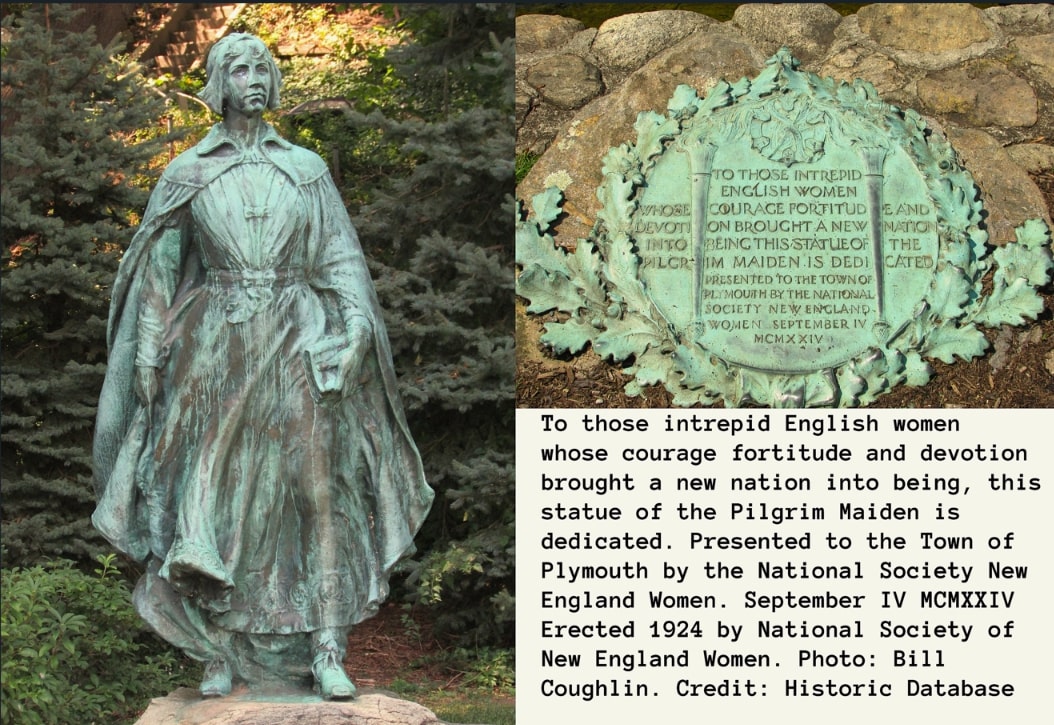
147,384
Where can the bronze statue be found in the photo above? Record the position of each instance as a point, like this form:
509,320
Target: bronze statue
251,449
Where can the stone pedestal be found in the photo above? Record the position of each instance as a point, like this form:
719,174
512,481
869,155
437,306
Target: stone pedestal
185,706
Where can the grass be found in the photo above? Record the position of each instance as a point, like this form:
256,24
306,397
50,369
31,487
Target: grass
462,684
462,704
524,162
469,707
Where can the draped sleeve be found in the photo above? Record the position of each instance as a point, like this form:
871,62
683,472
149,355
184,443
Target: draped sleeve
161,276
339,269
340,276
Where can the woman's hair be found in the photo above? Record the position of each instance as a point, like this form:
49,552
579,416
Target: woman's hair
220,57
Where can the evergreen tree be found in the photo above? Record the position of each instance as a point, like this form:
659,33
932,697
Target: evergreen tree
450,66
70,156
440,239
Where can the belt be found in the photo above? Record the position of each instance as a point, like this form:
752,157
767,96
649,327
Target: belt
253,289
255,277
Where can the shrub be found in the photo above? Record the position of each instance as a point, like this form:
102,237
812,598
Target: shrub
75,651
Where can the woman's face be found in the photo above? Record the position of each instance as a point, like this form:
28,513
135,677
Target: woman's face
246,84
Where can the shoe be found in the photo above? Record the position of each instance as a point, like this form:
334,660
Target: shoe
217,680
332,680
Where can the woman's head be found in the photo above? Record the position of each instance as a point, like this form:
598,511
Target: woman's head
223,53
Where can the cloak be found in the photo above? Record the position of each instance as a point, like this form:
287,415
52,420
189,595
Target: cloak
131,513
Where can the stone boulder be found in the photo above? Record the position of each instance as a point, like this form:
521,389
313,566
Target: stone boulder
629,40
1030,19
1009,195
1033,157
909,34
983,92
927,27
1036,54
806,28
850,60
544,32
186,707
575,159
969,70
567,81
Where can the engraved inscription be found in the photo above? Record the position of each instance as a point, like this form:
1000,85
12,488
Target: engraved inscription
787,240
798,266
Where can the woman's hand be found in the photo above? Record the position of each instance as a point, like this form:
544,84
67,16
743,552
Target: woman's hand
333,364
352,357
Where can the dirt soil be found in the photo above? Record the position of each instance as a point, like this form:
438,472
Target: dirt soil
397,644
1017,371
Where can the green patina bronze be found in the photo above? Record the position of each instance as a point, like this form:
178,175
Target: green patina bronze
785,241
251,449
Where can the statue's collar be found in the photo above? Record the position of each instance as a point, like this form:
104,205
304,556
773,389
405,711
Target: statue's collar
220,150
219,136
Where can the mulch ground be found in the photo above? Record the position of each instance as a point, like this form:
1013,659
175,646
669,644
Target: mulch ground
397,644
1012,374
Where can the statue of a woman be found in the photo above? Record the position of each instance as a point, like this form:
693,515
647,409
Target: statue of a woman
251,449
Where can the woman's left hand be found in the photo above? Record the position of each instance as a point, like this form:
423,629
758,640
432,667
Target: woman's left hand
352,357
333,364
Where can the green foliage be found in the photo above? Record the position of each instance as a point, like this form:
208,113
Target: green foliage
485,668
453,65
75,651
473,708
463,704
318,91
70,157
524,163
491,669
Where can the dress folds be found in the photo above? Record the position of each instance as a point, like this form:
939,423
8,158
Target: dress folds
262,511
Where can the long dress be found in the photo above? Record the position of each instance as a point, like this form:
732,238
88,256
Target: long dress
262,513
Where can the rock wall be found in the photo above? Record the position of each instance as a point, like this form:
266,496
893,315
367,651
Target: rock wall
984,78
